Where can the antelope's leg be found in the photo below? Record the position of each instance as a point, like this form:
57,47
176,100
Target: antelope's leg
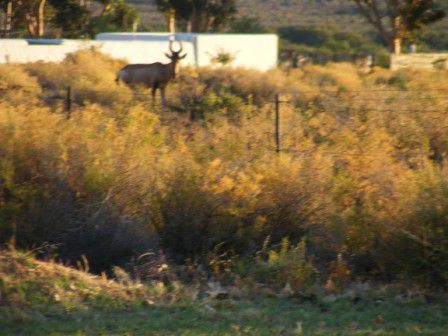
154,90
162,94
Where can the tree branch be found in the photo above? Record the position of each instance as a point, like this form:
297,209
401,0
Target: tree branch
370,10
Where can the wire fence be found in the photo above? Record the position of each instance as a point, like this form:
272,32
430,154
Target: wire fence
324,101
67,94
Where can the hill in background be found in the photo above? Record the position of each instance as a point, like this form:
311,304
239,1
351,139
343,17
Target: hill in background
322,30
273,14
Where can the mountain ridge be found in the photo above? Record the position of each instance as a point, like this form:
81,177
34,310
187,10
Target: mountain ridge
274,14
286,12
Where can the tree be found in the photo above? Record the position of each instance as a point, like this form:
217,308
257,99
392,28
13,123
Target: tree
116,15
7,8
71,16
74,17
396,20
32,14
168,7
123,16
200,15
248,25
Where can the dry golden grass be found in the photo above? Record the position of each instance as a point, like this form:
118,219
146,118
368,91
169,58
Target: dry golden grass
359,153
91,75
30,283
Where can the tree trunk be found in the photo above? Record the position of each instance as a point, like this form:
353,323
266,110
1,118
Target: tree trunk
35,18
31,25
189,26
41,18
397,45
195,21
171,20
397,35
8,17
208,24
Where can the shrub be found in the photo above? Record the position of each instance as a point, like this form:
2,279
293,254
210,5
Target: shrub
361,172
90,74
287,265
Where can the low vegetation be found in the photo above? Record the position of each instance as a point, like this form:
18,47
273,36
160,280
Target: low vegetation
50,288
198,196
337,26
324,44
45,298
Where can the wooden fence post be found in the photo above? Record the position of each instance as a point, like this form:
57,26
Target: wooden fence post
68,101
277,123
193,112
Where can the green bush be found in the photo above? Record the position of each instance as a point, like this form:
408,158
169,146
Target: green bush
288,264
331,44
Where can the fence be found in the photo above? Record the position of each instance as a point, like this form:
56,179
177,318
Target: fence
337,99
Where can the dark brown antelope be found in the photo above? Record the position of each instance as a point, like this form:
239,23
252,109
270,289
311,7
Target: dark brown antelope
155,75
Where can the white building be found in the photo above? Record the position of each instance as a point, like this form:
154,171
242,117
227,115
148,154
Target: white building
257,51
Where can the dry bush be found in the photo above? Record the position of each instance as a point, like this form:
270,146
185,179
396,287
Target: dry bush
60,174
338,76
359,175
91,76
242,82
16,85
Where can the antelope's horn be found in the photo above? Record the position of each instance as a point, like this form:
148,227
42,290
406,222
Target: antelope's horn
181,47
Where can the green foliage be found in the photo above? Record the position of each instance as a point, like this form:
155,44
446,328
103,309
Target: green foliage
247,25
119,17
434,40
328,15
286,265
397,20
223,58
71,17
326,44
261,316
43,297
201,15
32,286
417,15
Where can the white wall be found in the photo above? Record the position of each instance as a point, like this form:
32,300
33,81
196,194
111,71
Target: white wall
251,51
419,61
259,51
18,51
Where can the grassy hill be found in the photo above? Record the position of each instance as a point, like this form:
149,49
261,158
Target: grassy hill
45,298
335,28
47,287
273,13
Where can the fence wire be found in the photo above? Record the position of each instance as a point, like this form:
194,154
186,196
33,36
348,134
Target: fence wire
338,101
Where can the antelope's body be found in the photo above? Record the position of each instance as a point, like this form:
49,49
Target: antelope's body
155,76
152,75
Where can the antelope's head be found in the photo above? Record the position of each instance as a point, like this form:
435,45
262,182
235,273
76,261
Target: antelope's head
175,55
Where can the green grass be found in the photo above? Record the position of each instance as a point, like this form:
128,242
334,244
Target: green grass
46,298
258,317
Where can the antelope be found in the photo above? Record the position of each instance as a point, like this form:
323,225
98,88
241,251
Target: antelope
155,75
